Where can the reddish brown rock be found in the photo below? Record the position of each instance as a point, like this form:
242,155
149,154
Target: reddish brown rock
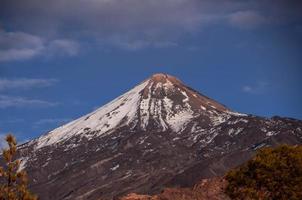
133,196
207,189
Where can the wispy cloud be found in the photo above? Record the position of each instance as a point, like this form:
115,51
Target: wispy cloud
19,46
63,46
132,20
23,46
25,83
258,88
51,121
12,101
134,45
56,26
11,121
247,19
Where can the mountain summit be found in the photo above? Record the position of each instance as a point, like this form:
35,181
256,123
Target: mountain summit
160,133
160,103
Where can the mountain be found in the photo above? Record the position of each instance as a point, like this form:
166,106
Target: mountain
160,134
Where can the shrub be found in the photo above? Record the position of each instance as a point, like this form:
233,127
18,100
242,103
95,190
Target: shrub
13,182
273,173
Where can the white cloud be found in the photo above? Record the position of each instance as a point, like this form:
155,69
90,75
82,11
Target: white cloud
247,88
17,54
19,46
129,24
133,24
25,83
12,101
23,46
134,45
258,88
64,46
247,19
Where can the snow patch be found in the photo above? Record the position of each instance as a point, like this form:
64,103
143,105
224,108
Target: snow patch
121,109
186,99
179,120
144,109
203,108
219,119
238,120
233,132
237,114
271,133
115,167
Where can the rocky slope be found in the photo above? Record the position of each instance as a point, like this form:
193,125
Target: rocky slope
206,189
159,134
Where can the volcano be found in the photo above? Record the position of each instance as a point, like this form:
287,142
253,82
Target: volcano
161,133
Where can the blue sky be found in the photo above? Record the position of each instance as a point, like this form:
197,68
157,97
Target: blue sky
62,59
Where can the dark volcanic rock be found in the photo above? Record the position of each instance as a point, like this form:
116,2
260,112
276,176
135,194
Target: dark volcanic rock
161,133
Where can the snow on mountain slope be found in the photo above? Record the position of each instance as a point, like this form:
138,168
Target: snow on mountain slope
162,100
103,119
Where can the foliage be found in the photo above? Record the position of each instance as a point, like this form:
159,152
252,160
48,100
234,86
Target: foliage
13,182
274,173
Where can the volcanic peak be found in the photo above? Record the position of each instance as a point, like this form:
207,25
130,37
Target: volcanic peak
164,78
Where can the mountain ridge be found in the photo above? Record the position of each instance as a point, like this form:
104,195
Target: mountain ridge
160,133
152,85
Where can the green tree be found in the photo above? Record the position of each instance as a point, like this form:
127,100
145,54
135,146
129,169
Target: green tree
13,182
273,174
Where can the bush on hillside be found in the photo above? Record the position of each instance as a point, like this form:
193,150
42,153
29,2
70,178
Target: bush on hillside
273,173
